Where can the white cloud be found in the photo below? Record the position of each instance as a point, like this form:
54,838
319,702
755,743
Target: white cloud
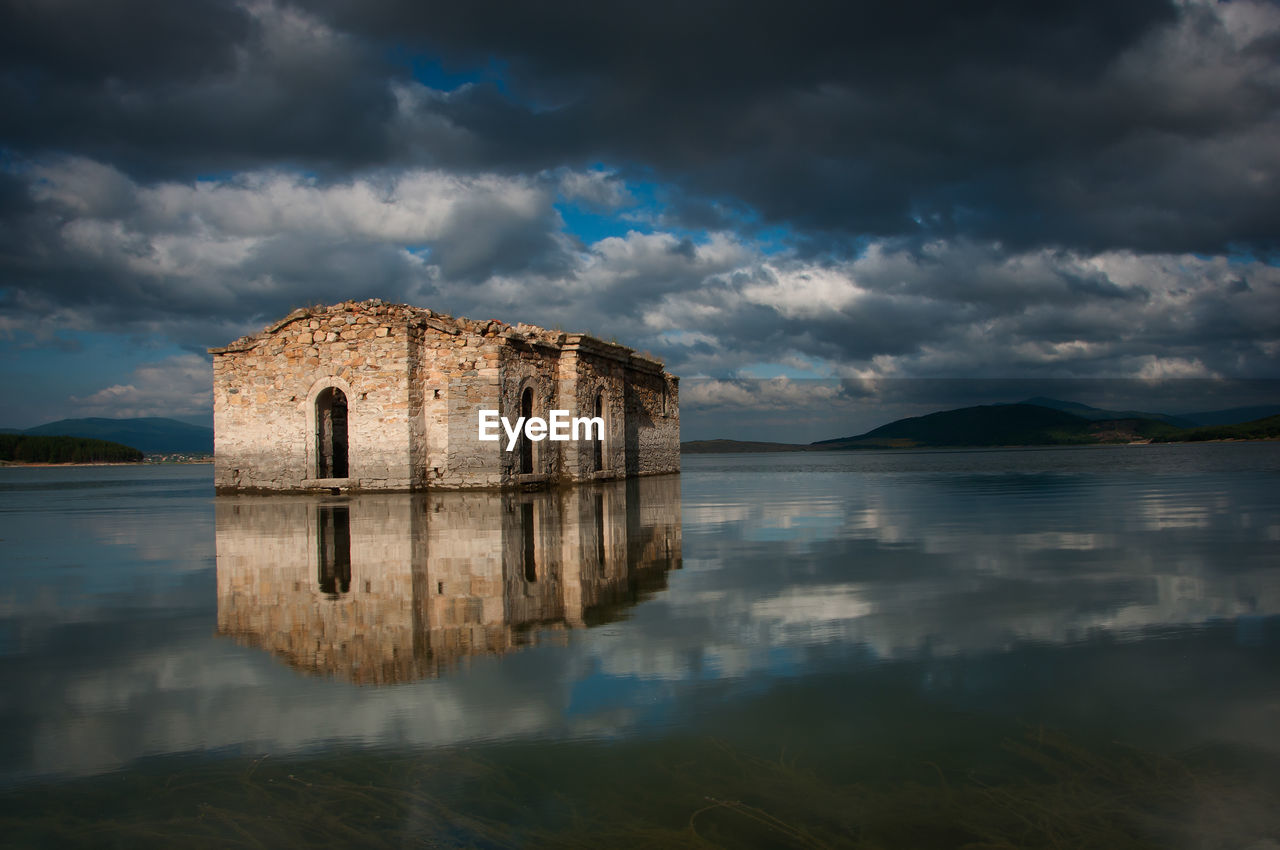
803,292
599,189
1172,368
779,393
178,386
412,206
248,247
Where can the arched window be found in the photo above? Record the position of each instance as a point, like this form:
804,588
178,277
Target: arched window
331,433
526,445
597,446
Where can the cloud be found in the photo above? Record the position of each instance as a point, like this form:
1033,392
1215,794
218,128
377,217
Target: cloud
177,386
1076,126
256,244
596,189
966,310
1073,126
803,292
779,393
202,261
1173,369
84,41
219,84
916,191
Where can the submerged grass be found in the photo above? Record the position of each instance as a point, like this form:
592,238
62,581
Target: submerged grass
1051,793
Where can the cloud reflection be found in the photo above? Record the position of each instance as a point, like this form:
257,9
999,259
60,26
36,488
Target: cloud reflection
963,567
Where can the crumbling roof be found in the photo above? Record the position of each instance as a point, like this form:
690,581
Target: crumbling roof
442,322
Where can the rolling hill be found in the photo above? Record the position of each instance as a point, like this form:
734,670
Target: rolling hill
1235,415
1267,428
1037,421
1002,425
1085,411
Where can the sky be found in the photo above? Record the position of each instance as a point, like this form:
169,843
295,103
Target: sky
821,216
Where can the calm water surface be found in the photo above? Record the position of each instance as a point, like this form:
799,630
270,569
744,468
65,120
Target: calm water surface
907,649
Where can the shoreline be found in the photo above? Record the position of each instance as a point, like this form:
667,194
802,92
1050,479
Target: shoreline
20,464
793,448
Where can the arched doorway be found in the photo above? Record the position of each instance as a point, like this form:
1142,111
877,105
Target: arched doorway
526,445
331,433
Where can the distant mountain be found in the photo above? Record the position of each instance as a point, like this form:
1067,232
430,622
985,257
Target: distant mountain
1231,416
1085,411
1050,422
1267,428
1002,425
152,435
1234,415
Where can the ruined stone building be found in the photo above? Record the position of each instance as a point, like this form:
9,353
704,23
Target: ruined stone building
380,588
377,396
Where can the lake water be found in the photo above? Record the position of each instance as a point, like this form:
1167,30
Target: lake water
898,649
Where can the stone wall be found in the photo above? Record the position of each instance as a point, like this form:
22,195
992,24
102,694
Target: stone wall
641,407
591,371
265,389
458,372
652,422
532,366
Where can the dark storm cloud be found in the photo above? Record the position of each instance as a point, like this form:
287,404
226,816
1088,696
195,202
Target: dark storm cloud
188,88
1089,124
14,197
126,40
1145,125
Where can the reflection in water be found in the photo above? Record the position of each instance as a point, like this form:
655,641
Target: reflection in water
953,562
862,612
530,551
334,522
410,584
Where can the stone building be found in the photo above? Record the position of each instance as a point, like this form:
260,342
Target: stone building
381,588
376,396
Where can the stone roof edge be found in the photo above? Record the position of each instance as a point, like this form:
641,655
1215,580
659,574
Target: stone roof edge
616,351
444,323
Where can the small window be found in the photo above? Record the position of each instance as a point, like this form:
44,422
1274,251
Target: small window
530,553
600,550
597,446
526,445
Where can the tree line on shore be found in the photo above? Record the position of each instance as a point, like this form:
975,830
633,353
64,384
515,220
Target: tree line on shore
26,448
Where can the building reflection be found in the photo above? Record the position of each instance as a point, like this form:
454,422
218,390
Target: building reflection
384,588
